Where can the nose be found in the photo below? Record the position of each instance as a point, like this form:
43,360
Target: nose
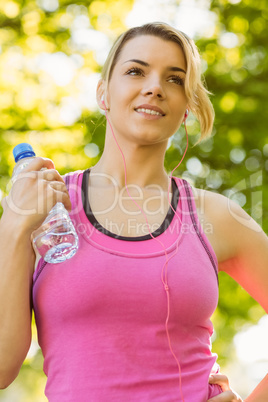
153,88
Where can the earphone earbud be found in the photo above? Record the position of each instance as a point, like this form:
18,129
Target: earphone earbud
186,114
104,104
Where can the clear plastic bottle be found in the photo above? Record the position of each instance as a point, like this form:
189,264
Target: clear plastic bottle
56,240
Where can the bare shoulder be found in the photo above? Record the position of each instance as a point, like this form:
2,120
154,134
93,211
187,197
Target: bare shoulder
230,224
215,215
220,209
210,199
239,242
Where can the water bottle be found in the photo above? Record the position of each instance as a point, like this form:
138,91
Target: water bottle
56,240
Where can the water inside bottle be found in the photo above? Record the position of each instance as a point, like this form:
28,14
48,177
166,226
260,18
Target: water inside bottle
61,251
57,241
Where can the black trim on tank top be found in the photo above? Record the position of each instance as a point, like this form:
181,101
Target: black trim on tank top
162,228
204,244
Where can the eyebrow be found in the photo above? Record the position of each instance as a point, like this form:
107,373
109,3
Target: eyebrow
143,63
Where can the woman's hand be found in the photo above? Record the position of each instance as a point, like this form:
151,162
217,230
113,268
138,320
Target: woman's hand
35,191
228,395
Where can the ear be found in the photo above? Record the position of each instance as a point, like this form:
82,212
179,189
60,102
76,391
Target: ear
100,94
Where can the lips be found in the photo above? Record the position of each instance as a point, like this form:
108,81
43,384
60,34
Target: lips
150,109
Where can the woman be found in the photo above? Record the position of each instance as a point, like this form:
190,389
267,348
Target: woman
128,316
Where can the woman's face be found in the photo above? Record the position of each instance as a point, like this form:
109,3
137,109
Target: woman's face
146,95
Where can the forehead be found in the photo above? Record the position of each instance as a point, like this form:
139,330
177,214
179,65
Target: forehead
146,47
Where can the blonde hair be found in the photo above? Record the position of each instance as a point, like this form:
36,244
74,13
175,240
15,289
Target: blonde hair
195,90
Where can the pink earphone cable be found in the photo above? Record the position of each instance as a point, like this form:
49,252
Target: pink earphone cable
165,266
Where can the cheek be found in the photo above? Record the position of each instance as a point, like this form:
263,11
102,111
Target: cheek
178,117
181,96
178,111
179,106
119,99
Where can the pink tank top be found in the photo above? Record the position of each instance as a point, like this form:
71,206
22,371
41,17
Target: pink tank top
101,315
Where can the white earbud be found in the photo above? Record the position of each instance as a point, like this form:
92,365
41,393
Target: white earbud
103,102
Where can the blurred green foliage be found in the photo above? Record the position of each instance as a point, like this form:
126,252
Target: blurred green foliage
51,55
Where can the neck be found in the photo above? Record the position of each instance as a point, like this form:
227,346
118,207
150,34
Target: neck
144,164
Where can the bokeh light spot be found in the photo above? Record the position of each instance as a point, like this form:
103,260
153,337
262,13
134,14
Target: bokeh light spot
237,155
228,102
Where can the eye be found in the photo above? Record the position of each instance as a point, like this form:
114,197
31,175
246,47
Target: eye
134,71
177,80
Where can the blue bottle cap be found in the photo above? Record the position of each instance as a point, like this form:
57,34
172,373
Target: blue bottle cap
23,150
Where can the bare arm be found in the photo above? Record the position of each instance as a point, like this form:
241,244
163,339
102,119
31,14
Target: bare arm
246,254
240,244
248,266
260,393
241,247
17,259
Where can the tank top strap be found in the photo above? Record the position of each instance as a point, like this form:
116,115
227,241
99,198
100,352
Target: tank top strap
191,219
71,181
187,205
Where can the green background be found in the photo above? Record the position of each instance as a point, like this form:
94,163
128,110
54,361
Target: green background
234,161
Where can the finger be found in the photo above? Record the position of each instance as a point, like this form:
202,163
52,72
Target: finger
39,163
50,175
63,196
227,396
221,380
47,175
58,185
